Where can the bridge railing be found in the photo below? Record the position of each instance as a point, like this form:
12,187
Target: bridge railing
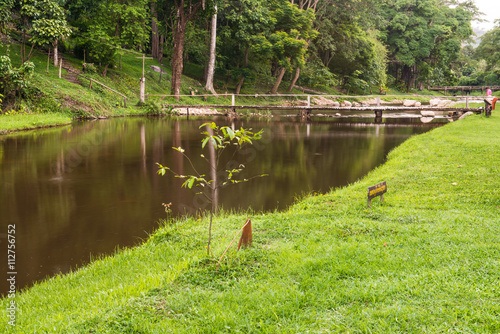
464,88
308,100
106,87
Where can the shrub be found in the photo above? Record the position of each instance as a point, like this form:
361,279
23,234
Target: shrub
14,82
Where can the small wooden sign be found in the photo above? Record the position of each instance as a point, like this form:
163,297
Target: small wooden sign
246,235
377,190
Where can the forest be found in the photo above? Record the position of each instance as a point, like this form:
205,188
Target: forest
355,46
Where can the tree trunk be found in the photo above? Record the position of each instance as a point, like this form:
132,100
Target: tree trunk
56,54
214,192
23,43
155,37
160,51
297,71
294,80
23,47
245,64
238,87
281,73
211,62
179,36
48,61
177,60
409,77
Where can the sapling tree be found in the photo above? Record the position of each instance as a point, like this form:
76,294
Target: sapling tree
217,140
48,24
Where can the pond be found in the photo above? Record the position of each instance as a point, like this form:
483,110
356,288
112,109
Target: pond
83,190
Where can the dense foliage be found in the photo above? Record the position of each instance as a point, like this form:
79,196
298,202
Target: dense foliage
357,46
14,81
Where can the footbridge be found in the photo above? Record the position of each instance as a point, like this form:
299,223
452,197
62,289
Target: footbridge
310,105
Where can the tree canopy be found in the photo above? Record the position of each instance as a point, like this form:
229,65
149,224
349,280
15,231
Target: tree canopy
359,46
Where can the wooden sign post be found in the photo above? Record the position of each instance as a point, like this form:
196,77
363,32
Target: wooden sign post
142,92
377,190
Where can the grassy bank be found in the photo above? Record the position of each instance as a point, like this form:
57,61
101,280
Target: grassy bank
424,261
19,122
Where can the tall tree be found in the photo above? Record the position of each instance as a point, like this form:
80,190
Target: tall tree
347,41
211,62
243,21
287,44
48,23
424,32
184,11
111,25
155,36
6,10
489,49
305,5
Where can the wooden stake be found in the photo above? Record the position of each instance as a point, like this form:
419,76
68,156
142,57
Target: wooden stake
248,222
48,61
246,235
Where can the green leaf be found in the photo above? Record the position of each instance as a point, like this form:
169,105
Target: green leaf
211,125
231,133
204,142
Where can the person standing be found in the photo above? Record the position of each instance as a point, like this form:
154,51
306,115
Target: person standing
489,103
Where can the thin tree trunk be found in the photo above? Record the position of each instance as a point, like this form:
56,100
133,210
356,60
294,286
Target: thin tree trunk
105,70
294,80
160,51
48,61
281,73
56,55
245,64
214,191
23,48
210,230
211,62
177,61
239,85
155,37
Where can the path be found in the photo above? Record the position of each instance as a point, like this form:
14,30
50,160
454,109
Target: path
71,73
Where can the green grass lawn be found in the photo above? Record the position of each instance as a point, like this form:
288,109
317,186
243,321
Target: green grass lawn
427,260
18,122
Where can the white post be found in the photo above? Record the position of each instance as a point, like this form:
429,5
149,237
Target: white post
378,101
142,92
467,100
232,100
308,101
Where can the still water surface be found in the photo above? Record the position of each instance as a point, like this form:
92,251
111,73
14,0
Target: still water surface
88,188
